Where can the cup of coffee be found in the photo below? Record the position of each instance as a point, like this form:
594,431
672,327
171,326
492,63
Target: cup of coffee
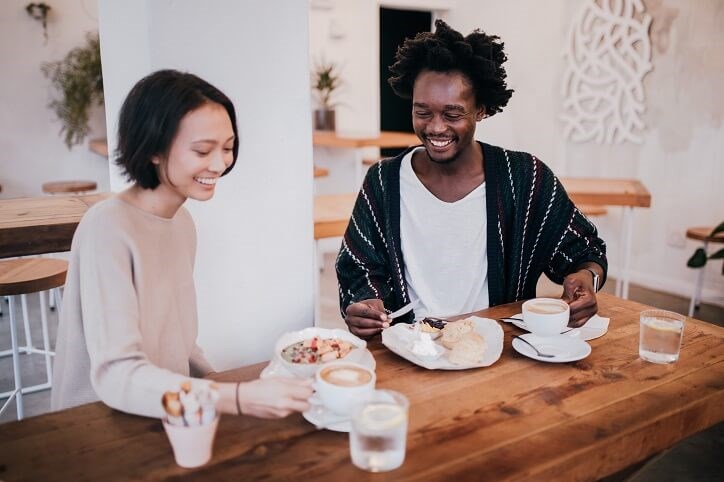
546,316
342,385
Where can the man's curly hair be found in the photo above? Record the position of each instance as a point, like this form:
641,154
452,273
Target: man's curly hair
478,56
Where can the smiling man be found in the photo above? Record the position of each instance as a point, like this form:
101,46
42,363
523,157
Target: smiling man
457,224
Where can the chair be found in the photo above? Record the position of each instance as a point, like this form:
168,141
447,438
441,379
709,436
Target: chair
701,234
19,277
320,172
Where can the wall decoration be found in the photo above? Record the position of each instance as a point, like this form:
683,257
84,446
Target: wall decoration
608,54
39,11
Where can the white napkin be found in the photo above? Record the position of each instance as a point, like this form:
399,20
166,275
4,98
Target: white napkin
596,323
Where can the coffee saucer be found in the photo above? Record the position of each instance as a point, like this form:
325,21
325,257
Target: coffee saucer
276,369
323,418
595,327
563,348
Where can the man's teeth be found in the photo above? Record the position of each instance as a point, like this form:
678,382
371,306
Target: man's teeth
206,180
438,143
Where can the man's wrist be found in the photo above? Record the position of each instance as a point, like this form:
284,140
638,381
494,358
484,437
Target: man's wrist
595,278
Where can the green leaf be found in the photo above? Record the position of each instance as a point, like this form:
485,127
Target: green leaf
718,255
698,259
717,229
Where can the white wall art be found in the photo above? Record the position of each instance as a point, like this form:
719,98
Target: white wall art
607,55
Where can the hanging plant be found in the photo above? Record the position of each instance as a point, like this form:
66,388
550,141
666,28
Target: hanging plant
79,80
39,11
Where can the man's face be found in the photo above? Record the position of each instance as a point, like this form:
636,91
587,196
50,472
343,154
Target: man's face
444,114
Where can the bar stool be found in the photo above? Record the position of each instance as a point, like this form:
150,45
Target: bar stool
702,234
19,277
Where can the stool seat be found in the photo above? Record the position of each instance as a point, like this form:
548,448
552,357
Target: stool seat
321,172
58,187
702,234
21,276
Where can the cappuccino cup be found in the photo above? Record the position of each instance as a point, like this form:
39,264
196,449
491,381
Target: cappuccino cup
546,316
342,385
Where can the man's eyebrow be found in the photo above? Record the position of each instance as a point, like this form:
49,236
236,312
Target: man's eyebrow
419,104
455,107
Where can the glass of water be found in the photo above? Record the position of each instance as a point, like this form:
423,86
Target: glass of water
660,336
378,437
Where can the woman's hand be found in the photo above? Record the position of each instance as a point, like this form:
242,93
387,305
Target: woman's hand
366,318
274,397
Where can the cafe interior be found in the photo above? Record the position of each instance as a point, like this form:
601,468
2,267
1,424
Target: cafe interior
621,99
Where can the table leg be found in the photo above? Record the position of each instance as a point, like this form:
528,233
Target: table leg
626,238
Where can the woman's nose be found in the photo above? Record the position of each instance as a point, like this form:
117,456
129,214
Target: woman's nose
217,162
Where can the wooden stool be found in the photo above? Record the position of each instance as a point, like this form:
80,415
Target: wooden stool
69,187
19,277
701,234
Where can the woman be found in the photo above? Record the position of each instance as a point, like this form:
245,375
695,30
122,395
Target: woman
128,326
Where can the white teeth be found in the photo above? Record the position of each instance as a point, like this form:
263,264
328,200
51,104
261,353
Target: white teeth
437,143
206,180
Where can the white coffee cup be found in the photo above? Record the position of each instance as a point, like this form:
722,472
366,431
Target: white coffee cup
546,316
342,385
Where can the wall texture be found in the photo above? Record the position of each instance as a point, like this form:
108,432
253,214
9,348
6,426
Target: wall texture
31,150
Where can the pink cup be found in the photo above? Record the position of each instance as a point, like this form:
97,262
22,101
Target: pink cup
192,446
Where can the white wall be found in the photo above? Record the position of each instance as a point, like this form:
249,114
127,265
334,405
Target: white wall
254,263
31,149
682,158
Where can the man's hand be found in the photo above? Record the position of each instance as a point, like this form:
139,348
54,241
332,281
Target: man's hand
366,318
578,292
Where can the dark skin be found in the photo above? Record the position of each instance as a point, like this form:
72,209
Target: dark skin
444,116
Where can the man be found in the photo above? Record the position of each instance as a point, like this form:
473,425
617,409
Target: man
457,224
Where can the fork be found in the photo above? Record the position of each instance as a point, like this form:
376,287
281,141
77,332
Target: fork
544,355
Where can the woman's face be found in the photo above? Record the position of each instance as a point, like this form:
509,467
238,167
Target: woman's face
199,154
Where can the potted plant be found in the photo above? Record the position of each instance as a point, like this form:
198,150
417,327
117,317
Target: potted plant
325,81
79,80
700,256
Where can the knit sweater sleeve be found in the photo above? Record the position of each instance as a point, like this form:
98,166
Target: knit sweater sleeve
577,244
362,265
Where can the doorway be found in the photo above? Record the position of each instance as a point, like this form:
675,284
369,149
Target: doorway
395,27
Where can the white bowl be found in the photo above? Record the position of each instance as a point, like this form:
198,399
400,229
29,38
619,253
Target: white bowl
307,370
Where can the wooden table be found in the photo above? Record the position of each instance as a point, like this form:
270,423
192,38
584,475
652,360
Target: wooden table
627,193
333,140
42,224
516,420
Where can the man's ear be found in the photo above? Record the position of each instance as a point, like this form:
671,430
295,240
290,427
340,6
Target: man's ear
480,114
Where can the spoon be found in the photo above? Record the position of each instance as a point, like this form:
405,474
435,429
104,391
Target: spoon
544,355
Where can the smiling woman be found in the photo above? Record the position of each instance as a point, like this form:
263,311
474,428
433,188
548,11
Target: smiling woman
128,327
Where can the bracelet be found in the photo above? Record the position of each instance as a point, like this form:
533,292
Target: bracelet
238,405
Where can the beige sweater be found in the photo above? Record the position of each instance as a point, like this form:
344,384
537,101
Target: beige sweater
128,323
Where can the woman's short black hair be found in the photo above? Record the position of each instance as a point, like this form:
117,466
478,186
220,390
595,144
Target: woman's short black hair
478,56
150,118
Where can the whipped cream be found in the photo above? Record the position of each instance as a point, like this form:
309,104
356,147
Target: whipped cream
423,345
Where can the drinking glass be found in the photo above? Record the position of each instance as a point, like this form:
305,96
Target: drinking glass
378,437
660,336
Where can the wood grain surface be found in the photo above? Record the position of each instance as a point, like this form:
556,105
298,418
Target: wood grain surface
607,192
518,419
28,275
41,224
384,139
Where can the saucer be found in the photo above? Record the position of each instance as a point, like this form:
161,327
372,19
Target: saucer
563,347
276,369
595,327
319,416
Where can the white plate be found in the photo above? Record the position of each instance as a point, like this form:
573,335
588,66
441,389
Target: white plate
595,327
276,368
398,339
565,348
321,417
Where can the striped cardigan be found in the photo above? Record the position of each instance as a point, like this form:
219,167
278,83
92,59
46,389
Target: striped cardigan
533,228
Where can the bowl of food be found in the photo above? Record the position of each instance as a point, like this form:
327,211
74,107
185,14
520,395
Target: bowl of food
302,352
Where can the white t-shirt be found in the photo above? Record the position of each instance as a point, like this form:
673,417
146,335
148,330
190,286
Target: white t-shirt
444,246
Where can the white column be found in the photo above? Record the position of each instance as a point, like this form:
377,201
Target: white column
254,265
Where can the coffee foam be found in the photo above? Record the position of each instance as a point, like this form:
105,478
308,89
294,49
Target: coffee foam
346,376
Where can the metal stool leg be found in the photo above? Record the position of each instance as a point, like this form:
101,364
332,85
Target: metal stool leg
26,323
46,338
18,393
51,300
696,296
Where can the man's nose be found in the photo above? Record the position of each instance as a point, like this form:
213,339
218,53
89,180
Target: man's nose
437,125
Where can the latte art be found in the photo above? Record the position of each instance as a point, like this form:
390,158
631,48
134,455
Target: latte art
346,376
